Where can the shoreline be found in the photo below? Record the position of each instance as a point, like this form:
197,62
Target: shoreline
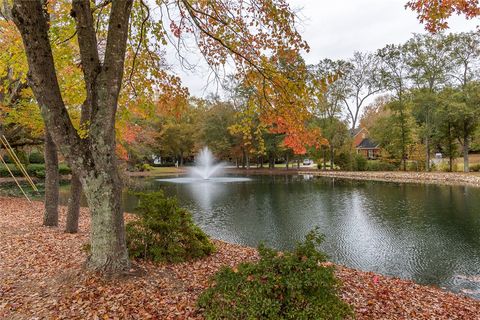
471,179
440,178
42,275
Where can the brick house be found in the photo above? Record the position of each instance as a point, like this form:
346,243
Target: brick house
363,144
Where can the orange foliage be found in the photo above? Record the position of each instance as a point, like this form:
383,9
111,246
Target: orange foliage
434,13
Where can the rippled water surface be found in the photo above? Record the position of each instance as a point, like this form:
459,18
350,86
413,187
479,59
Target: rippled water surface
427,233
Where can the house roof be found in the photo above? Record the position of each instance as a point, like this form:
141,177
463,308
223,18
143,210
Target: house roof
354,132
367,143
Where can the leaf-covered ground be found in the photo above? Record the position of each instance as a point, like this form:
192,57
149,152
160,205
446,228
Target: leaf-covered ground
42,277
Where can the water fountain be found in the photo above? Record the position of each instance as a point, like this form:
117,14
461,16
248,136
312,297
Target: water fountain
206,170
205,167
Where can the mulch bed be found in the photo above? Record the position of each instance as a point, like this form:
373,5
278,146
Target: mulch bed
42,277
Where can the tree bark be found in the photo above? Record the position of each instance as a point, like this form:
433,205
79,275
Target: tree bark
271,162
50,218
103,190
324,159
427,147
427,142
92,157
466,147
244,158
332,153
73,211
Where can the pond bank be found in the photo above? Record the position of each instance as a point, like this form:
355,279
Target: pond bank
449,178
42,276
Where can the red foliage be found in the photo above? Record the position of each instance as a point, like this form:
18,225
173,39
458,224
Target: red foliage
434,13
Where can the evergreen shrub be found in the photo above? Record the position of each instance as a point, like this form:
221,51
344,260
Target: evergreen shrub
165,232
281,285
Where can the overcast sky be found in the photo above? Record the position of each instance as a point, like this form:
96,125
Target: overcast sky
335,29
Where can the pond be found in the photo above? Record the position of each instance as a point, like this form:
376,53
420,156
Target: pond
427,233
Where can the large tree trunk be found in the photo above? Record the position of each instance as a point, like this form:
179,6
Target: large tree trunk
73,211
92,157
103,190
50,218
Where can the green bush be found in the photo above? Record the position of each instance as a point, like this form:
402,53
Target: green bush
444,166
40,174
290,285
146,167
4,172
378,165
22,156
32,168
344,161
359,163
7,159
64,169
36,157
164,165
475,167
165,232
38,170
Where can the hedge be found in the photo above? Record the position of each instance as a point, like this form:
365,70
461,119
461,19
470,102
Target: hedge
35,170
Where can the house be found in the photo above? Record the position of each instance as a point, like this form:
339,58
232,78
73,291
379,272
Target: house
363,144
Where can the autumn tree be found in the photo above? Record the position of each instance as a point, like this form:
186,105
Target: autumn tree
374,111
395,131
362,80
219,116
464,56
243,31
445,119
329,92
24,111
429,67
395,70
465,104
435,13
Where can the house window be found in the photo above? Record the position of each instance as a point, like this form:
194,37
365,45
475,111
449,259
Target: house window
370,154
